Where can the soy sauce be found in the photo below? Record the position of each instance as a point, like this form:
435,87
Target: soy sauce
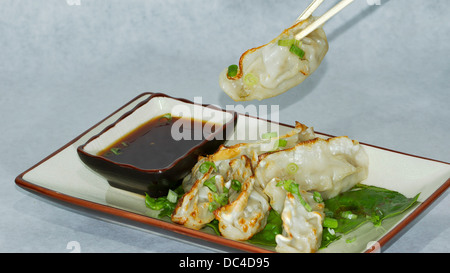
155,144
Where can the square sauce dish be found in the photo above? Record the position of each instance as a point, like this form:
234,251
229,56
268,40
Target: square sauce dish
151,148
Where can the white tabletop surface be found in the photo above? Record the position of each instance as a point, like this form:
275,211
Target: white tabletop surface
65,65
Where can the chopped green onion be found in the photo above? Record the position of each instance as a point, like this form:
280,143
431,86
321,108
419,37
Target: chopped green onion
269,135
221,199
204,168
250,79
350,240
232,70
279,143
172,196
330,222
116,151
297,51
292,168
211,184
282,143
331,231
317,197
167,116
236,185
292,187
286,42
349,215
212,206
124,144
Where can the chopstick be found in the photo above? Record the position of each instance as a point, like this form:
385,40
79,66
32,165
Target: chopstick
322,19
309,10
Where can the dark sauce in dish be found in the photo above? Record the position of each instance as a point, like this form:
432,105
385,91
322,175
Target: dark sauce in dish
154,145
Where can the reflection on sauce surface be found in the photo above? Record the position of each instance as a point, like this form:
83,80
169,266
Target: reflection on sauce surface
155,144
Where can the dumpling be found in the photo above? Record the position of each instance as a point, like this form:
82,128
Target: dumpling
246,215
299,134
329,166
194,209
247,212
302,229
276,67
302,219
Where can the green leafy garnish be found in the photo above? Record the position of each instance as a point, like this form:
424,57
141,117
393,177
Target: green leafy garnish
273,227
365,203
165,204
328,236
214,224
232,70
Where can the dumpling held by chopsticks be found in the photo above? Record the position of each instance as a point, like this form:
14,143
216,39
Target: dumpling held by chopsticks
276,67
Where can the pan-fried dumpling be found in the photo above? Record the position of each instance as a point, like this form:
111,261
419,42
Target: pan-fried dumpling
299,134
246,214
194,209
276,67
277,196
302,229
302,219
329,166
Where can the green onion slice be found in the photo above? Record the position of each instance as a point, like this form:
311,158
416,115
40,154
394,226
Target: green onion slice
250,79
330,222
236,185
286,42
221,199
317,197
297,51
116,151
204,168
292,187
349,215
280,143
213,206
167,116
172,196
211,184
269,135
292,168
232,70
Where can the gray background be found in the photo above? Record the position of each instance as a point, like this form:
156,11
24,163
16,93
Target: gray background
65,67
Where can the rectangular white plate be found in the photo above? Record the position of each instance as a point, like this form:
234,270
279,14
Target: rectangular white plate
63,177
